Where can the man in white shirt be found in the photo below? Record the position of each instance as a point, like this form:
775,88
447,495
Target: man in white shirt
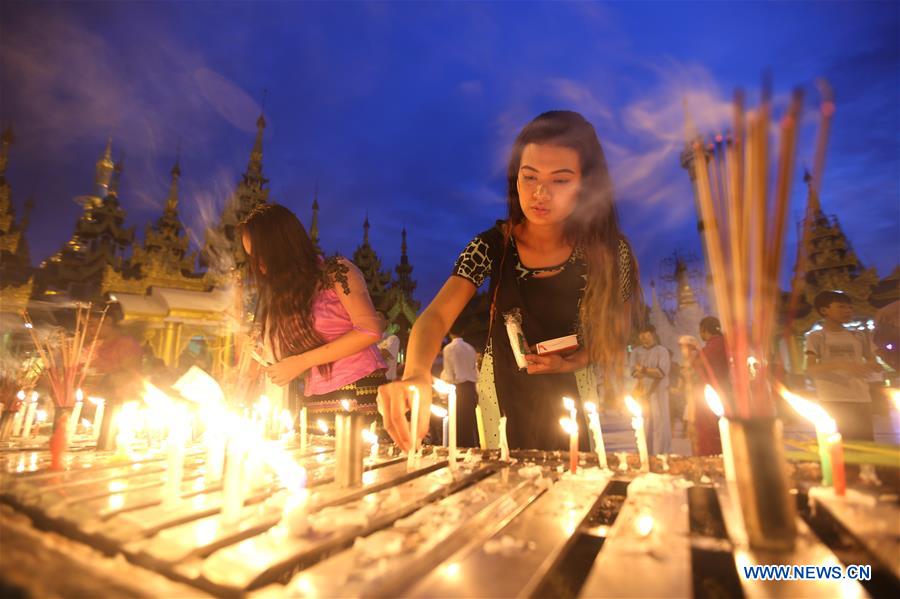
840,362
460,370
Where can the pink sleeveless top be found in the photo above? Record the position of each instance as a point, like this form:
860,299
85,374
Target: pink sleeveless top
331,320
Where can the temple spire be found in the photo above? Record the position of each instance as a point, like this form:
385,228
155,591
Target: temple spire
366,230
172,200
7,139
813,205
116,179
254,167
104,170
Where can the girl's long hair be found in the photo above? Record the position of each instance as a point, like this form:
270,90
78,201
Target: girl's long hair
606,317
287,271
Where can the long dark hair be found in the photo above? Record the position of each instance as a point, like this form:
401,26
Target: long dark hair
287,271
606,316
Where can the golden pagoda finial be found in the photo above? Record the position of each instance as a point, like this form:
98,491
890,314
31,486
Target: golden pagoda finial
172,201
104,169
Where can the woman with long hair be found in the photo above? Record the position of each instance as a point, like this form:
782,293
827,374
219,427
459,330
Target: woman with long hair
316,314
560,264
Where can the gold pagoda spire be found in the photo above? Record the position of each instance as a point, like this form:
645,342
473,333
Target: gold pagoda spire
172,200
105,168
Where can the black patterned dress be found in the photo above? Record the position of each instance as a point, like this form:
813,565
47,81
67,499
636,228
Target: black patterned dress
549,305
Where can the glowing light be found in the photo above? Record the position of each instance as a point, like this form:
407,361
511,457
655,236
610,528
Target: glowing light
199,387
345,404
34,396
643,524
28,325
809,410
21,395
323,426
86,423
568,403
439,411
79,395
895,398
442,386
451,571
590,407
41,415
713,401
569,425
369,437
287,422
633,406
96,400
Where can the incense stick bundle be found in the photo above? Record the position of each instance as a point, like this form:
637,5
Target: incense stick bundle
68,373
744,232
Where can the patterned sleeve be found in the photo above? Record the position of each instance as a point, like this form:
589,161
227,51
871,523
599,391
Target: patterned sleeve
626,270
474,263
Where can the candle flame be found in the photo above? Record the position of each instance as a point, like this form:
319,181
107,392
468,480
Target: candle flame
439,411
643,525
291,475
21,395
569,425
713,401
323,426
568,403
96,400
809,410
287,422
633,406
895,398
442,386
590,407
345,404
86,423
79,395
369,437
41,415
34,396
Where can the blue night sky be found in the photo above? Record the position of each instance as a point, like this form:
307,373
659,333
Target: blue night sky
406,111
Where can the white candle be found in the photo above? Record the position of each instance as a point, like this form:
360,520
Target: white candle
504,443
413,428
19,418
98,414
571,427
215,453
715,404
451,407
640,435
178,433
233,484
295,515
303,432
29,415
597,433
369,436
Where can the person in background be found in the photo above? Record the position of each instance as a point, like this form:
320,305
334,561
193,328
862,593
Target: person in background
389,346
460,361
650,364
702,423
887,335
839,361
714,357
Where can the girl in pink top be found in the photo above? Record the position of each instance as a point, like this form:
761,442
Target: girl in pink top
317,314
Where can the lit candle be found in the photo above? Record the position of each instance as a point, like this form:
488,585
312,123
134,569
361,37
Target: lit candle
597,432
369,436
504,442
640,435
233,483
444,415
571,427
829,441
895,414
413,428
178,433
75,418
835,445
323,426
19,418
29,415
295,515
303,432
450,390
214,440
98,414
715,404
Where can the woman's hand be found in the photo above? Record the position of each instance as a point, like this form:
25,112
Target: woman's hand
395,399
547,364
286,370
